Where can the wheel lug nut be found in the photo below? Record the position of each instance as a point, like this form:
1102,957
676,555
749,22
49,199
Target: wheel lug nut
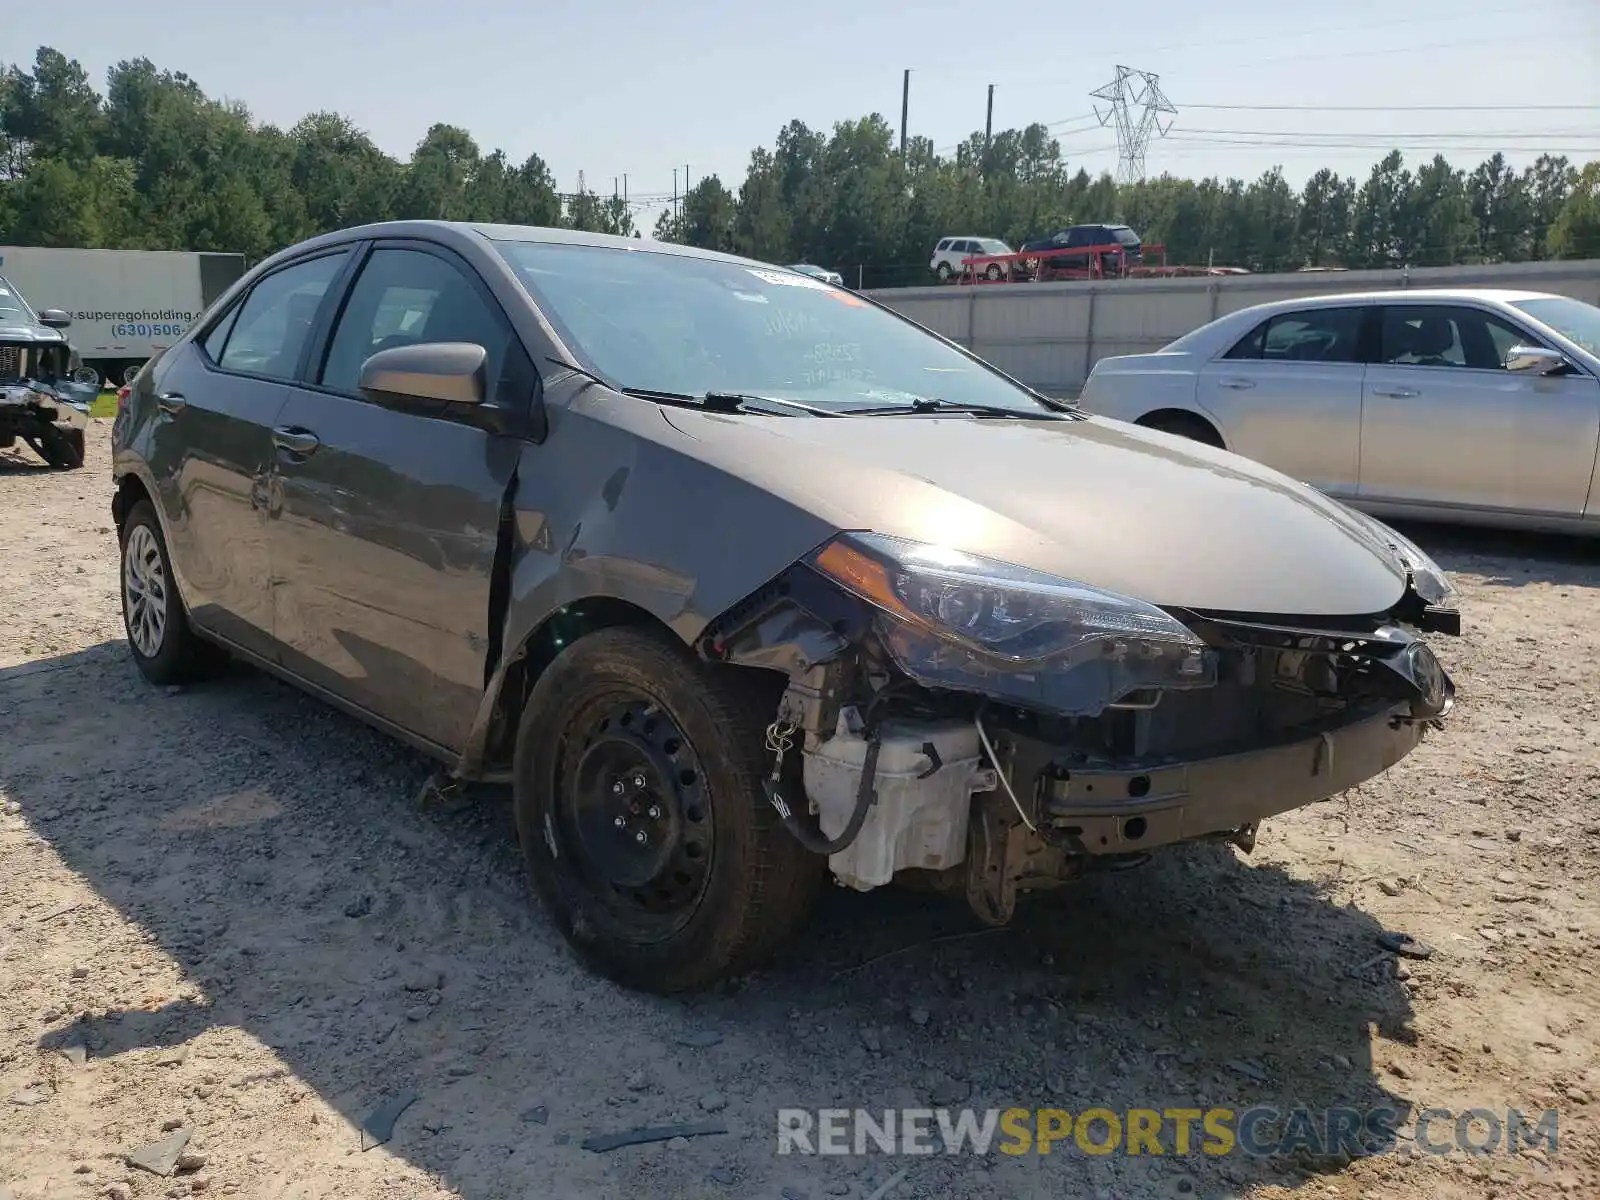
640,837
619,823
616,788
638,781
655,812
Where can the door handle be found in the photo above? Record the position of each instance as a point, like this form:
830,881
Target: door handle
1238,385
171,403
294,441
1401,392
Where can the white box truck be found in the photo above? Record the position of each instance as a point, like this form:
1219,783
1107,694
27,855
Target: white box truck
125,305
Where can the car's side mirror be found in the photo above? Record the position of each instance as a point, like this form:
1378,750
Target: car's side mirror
440,372
54,318
1535,359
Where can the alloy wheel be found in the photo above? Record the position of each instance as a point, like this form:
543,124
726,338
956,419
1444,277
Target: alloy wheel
144,589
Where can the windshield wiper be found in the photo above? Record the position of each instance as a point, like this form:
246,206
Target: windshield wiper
728,402
713,400
957,408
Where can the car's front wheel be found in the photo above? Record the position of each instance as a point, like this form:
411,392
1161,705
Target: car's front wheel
159,635
641,814
61,448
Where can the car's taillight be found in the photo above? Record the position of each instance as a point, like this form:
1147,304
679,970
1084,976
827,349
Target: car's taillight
122,399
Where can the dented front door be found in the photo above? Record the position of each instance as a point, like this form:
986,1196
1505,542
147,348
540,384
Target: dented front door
384,545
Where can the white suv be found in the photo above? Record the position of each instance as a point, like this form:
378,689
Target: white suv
949,253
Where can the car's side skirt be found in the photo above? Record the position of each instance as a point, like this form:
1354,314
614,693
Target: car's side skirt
382,724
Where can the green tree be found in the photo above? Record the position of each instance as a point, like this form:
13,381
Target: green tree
156,163
1547,182
1438,225
52,111
1378,237
1501,210
434,185
1322,228
1575,233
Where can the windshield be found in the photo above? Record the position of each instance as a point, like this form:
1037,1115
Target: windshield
993,246
675,323
14,309
1572,319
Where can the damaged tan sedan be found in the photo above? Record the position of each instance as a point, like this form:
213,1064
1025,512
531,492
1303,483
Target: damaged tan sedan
742,580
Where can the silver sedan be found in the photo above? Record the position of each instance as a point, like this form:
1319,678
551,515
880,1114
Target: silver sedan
1475,405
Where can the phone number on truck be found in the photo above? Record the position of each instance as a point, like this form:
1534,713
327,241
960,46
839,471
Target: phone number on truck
148,331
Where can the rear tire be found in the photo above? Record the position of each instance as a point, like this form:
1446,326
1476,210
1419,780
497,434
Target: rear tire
160,638
1186,425
642,818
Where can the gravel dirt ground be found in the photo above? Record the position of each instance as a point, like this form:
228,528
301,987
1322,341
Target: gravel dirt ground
224,915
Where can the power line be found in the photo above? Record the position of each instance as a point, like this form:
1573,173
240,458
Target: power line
1381,134
1196,144
1368,27
1393,108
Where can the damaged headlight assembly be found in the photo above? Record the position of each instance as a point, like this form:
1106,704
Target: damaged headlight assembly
956,621
1428,578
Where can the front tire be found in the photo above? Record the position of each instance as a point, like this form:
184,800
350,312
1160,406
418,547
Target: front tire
61,448
642,819
162,642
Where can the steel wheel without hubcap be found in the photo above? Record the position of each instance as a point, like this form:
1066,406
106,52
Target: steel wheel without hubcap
144,587
637,791
632,806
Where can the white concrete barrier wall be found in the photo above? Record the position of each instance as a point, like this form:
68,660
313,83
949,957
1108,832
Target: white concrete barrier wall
1050,334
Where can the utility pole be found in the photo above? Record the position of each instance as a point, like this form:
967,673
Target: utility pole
988,123
624,187
905,110
674,193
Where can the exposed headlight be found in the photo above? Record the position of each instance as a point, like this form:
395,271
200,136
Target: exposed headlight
1432,584
955,620
1427,576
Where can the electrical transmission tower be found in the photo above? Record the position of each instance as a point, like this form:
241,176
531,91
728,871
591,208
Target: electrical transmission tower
1137,102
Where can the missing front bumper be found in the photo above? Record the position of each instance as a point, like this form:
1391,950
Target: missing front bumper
1124,809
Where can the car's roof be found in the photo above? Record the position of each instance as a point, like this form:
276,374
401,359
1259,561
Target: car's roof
514,233
1231,325
1386,295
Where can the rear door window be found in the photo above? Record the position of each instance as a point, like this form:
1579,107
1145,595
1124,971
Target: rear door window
276,318
1326,335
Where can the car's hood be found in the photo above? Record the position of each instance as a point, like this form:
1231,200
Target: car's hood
29,333
1109,504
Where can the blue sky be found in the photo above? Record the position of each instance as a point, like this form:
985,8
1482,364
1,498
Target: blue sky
643,88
